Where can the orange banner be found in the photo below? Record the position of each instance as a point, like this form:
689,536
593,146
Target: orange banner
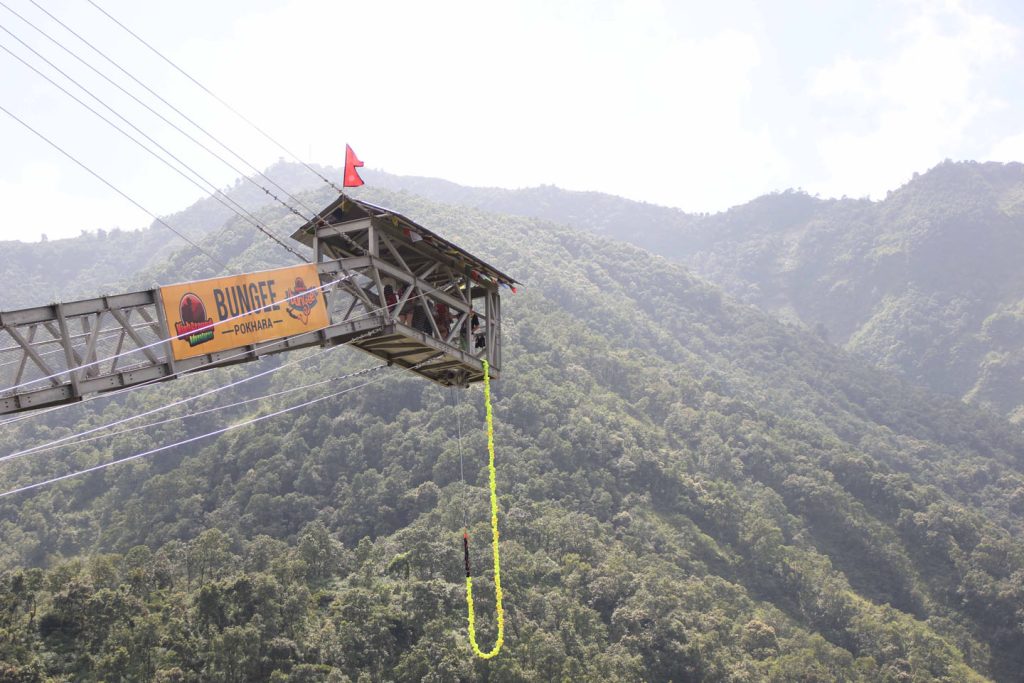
229,312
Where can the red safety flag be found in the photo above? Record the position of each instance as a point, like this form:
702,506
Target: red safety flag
352,162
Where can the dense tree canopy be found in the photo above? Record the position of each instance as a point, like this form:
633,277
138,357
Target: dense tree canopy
926,282
689,490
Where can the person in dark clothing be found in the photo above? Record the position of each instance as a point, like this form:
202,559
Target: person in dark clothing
420,321
390,299
478,334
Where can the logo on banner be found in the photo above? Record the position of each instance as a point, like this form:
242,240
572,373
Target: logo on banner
209,316
195,326
301,301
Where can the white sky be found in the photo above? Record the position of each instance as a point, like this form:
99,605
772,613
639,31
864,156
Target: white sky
690,104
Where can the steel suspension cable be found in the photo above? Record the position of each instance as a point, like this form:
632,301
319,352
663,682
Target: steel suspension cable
212,190
166,120
210,93
125,390
75,438
179,373
193,439
118,392
208,392
113,187
45,448
162,341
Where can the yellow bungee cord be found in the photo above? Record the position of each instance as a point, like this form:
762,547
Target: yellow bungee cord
494,541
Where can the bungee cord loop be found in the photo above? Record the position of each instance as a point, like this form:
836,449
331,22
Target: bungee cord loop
471,615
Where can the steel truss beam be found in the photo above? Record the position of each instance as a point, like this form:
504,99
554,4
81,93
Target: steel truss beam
60,353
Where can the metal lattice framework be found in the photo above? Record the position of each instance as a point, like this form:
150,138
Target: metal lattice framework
382,248
52,354
61,352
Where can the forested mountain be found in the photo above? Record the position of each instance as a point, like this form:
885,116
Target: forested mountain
927,282
108,261
689,490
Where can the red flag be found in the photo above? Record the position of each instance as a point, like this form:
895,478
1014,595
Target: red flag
352,162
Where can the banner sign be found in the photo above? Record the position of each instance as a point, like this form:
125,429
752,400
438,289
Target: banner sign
229,312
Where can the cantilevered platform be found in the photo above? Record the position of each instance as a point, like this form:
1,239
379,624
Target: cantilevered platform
391,287
383,249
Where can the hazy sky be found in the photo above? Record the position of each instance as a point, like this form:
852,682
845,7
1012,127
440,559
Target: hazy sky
691,104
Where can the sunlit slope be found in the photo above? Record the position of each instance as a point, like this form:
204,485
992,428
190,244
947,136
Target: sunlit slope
689,491
926,281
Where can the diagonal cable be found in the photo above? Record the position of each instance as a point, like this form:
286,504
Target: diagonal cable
206,90
114,188
211,190
227,163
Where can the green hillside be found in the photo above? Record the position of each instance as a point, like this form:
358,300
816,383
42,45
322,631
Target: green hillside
110,261
926,282
690,490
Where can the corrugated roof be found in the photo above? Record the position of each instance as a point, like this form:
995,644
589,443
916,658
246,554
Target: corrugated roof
431,238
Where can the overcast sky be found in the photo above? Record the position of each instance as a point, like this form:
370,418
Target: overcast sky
696,105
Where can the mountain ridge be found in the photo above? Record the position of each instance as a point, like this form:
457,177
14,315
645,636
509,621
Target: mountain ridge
914,282
690,490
